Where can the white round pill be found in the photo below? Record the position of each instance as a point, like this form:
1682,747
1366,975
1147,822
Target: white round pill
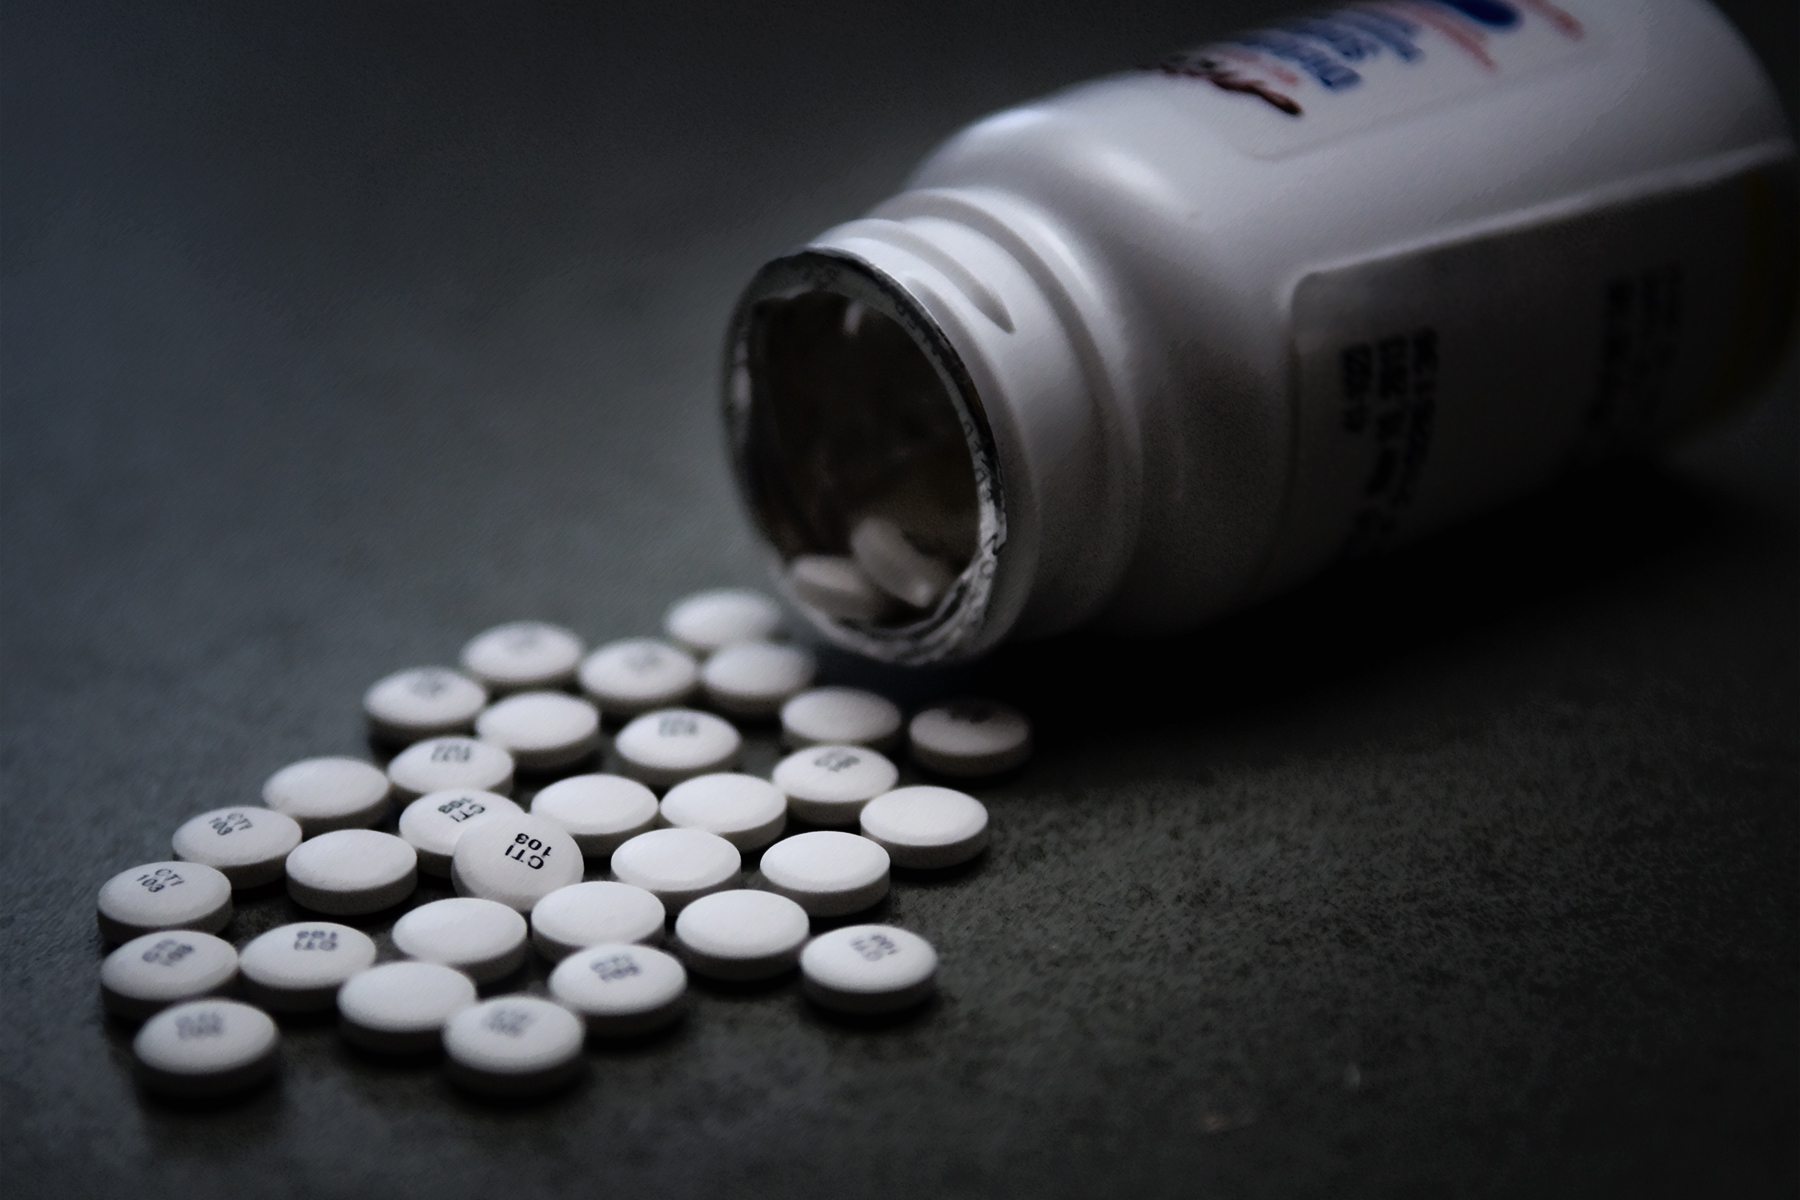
481,938
636,675
164,895
868,969
927,827
299,968
896,565
754,679
249,845
705,621
441,764
826,872
666,747
599,811
746,811
741,935
837,587
513,1046
828,785
678,866
324,794
206,1048
432,824
515,858
622,990
594,914
401,1007
150,973
840,716
351,871
541,730
522,655
970,738
422,702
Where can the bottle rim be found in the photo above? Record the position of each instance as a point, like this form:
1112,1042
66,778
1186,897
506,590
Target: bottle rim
953,628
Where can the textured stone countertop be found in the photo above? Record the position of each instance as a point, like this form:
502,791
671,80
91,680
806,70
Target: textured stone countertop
335,333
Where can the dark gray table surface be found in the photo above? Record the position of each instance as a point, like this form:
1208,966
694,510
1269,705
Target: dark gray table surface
334,334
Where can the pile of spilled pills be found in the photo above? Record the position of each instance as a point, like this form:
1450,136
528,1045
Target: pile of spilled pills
530,698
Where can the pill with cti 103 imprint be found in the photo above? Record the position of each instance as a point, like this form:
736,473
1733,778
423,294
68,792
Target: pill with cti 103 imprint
523,655
444,763
512,1047
926,828
206,1048
746,811
433,823
621,990
828,785
149,973
678,866
601,812
754,679
516,859
164,895
298,968
351,872
484,939
840,716
422,702
594,913
630,677
247,845
401,1007
741,935
541,730
868,969
969,739
324,794
707,621
828,873
665,747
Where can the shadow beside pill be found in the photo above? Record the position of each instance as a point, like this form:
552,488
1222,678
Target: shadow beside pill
879,913
942,876
521,1106
294,1022
741,989
525,980
385,1061
639,1045
256,895
906,1018
370,923
262,1095
529,783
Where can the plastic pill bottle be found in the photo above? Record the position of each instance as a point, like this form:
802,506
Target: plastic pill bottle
1152,348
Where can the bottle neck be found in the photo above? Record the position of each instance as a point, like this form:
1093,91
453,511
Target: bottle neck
931,367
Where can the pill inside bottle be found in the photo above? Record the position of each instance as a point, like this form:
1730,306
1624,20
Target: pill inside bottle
857,454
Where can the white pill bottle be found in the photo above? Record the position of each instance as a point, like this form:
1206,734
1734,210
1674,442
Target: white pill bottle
1152,348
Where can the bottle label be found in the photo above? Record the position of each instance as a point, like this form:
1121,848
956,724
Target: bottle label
1316,78
1436,383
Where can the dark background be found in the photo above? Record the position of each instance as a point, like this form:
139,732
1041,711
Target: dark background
334,334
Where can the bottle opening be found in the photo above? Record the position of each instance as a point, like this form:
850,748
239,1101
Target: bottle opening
863,456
